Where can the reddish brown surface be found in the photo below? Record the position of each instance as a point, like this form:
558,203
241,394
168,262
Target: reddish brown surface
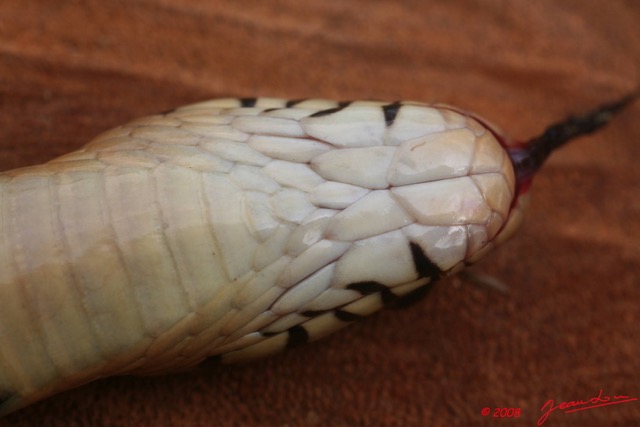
570,325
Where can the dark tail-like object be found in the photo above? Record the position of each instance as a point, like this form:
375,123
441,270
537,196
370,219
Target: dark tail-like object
529,157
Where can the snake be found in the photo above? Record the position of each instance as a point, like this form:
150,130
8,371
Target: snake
234,228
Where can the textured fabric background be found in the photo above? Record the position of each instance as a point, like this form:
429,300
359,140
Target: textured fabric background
570,325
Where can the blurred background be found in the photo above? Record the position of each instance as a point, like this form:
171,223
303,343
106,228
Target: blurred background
569,326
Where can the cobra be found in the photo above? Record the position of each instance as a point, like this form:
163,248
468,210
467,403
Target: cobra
234,228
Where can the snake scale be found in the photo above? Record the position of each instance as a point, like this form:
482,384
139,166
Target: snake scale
234,228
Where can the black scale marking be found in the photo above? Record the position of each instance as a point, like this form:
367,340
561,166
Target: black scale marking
343,315
293,102
298,335
326,112
371,287
413,297
390,112
389,299
313,313
346,316
248,102
341,106
424,266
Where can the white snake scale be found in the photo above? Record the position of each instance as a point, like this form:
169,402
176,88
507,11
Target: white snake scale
234,228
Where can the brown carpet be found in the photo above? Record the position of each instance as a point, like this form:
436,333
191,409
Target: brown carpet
570,325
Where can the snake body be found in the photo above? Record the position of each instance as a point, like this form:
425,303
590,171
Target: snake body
234,228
